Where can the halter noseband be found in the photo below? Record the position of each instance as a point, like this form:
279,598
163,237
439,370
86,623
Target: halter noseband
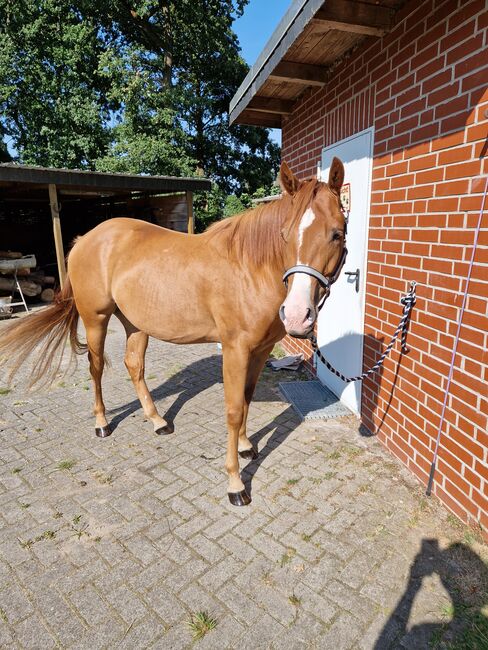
325,282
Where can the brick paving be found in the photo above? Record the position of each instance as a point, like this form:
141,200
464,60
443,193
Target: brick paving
115,543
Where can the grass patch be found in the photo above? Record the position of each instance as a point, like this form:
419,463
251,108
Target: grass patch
267,578
4,391
200,623
174,370
3,615
79,532
334,455
16,470
24,506
47,534
294,600
107,479
278,352
366,487
287,557
292,481
306,538
66,464
329,475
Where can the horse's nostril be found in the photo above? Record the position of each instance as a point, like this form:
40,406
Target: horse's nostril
282,312
309,314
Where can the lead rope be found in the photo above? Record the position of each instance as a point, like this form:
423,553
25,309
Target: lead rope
408,301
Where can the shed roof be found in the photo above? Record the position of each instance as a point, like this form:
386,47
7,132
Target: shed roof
15,177
310,37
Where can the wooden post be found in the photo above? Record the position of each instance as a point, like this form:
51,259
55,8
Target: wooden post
58,238
189,212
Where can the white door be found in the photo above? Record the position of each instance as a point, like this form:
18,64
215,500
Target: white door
341,321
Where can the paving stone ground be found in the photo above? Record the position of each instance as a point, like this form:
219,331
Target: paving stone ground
116,543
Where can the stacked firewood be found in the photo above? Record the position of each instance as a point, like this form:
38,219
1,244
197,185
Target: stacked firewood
32,280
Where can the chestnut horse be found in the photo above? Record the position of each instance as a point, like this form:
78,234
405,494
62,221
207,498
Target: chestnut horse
222,285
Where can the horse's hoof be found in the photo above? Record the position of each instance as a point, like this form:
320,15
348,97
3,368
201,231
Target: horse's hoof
249,454
103,432
239,498
166,430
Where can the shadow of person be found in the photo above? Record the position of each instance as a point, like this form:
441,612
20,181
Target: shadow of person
464,576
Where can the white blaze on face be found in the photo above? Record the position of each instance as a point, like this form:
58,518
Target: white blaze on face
306,221
297,302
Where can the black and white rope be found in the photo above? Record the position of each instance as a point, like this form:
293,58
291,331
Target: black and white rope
408,301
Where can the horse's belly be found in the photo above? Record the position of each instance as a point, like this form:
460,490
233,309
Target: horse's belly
174,313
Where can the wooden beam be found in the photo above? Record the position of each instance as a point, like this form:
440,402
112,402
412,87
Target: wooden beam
58,238
258,118
351,28
189,212
271,105
303,73
357,15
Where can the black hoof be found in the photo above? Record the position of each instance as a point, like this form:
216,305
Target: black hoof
103,432
166,430
249,454
239,498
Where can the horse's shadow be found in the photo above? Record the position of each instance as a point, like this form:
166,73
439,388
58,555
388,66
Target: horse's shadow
202,375
187,384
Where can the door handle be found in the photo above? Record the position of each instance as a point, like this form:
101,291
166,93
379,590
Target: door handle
354,275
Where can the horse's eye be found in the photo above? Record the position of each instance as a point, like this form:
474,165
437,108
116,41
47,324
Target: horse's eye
336,235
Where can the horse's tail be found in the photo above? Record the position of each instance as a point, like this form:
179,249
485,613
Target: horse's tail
49,329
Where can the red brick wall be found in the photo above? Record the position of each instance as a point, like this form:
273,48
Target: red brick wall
423,88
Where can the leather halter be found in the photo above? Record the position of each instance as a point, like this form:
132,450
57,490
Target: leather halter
325,282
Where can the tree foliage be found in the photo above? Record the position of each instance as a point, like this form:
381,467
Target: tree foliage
130,85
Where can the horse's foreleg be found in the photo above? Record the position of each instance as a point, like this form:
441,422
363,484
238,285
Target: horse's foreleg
256,364
96,330
236,363
134,362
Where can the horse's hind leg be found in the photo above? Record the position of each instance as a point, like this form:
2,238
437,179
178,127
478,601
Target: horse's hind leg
134,362
96,331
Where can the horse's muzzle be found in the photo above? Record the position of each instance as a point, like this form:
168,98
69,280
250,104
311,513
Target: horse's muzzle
298,322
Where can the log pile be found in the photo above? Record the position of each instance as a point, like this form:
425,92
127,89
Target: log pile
32,280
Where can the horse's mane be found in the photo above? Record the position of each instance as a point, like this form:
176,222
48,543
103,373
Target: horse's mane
256,235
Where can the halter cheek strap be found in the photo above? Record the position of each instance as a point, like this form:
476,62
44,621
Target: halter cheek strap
324,282
308,270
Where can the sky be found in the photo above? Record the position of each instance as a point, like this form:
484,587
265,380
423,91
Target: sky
254,29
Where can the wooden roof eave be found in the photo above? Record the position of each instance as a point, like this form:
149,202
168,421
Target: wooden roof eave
99,182
358,20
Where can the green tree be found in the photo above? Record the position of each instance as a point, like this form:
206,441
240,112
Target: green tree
131,85
53,87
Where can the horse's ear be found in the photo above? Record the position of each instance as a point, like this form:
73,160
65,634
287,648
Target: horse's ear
336,175
289,183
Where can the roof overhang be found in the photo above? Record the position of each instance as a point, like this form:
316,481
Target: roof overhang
16,178
311,36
